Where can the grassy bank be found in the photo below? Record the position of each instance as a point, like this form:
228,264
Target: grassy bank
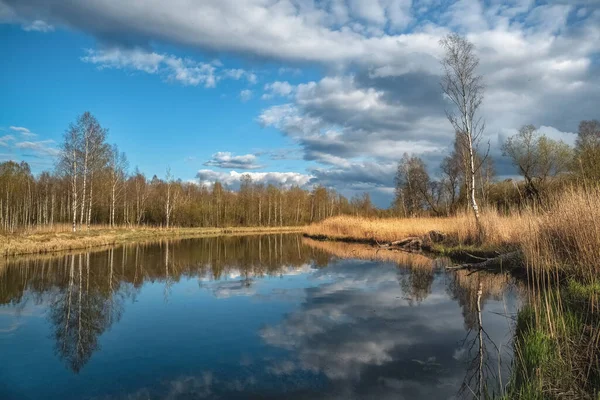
461,230
46,241
557,340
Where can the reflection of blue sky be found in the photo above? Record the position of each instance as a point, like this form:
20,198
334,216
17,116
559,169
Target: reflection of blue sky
235,284
345,331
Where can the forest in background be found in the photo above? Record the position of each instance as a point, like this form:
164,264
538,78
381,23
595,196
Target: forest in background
92,184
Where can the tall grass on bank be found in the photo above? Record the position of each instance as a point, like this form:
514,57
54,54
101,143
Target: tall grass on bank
500,231
557,344
566,235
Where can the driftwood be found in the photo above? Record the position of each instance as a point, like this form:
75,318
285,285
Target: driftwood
504,261
413,243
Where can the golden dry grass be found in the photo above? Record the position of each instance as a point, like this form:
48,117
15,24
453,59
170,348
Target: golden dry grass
563,233
59,240
567,235
461,229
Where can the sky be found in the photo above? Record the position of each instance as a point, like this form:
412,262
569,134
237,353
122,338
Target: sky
293,92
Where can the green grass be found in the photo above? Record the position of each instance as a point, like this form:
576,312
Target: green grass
555,356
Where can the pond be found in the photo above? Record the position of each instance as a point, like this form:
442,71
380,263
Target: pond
250,317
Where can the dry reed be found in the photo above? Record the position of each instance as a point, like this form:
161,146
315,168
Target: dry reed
461,229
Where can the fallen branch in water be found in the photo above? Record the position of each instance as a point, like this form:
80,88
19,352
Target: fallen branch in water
504,261
415,242
499,261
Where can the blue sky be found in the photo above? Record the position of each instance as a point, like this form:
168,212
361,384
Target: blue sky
157,122
290,91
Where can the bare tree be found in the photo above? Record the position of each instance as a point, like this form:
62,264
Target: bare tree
67,165
537,157
464,87
118,168
169,198
415,190
451,171
587,148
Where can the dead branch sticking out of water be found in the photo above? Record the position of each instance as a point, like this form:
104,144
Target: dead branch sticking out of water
415,242
504,261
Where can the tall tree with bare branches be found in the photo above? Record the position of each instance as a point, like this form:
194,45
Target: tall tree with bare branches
67,165
464,88
118,170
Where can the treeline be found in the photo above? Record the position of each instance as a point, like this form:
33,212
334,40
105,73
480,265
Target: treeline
91,184
545,165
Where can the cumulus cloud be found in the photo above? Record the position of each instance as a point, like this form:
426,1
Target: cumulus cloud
232,178
357,176
337,119
246,95
183,70
277,88
38,26
290,30
224,159
380,96
239,73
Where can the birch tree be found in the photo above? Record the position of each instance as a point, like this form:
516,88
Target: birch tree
68,165
168,202
464,88
93,151
118,168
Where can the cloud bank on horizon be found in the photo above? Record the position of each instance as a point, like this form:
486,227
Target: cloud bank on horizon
378,93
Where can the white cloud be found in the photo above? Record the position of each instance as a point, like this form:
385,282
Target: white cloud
246,95
288,70
185,71
277,88
337,118
38,26
224,159
4,140
23,131
289,30
380,95
239,73
42,147
232,178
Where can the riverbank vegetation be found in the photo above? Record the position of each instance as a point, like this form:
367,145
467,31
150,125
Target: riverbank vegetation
550,217
60,237
557,341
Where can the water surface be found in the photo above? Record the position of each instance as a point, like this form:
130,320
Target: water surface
265,317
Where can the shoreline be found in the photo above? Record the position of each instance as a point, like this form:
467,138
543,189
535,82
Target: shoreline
52,242
554,248
456,253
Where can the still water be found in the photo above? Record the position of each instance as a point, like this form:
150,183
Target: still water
256,317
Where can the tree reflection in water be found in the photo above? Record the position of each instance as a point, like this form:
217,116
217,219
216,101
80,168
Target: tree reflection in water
86,291
484,357
82,310
481,354
341,330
